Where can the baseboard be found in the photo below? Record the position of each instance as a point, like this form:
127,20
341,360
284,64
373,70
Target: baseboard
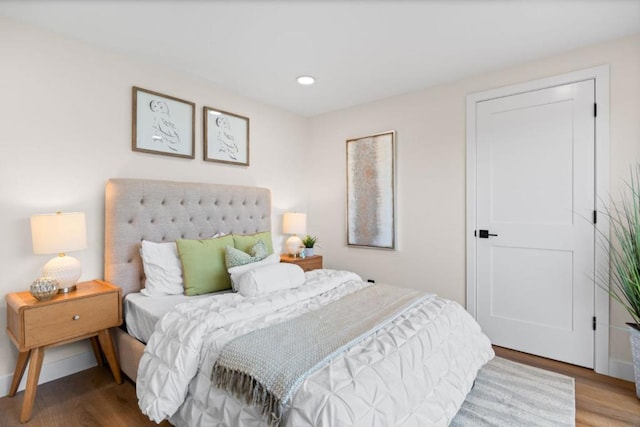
621,369
53,370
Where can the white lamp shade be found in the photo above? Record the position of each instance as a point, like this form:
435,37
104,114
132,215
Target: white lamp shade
58,232
294,223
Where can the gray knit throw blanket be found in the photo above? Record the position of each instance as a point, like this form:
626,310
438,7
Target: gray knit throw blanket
267,365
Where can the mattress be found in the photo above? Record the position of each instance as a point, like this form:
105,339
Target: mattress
141,312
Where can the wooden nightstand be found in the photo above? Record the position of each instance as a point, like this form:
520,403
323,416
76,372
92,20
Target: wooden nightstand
88,312
308,263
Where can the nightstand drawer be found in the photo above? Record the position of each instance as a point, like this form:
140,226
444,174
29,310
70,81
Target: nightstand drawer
58,322
309,263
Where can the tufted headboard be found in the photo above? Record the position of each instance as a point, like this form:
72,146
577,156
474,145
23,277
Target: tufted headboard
163,211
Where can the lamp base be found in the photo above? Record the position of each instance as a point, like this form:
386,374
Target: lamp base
293,244
67,289
66,270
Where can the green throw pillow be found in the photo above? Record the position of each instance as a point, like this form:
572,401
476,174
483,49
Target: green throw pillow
245,243
203,265
236,257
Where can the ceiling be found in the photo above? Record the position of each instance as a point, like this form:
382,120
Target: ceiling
359,51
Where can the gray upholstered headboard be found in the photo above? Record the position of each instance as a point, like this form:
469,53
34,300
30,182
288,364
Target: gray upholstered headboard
163,211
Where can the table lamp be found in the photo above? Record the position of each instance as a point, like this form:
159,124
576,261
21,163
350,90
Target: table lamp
294,223
58,233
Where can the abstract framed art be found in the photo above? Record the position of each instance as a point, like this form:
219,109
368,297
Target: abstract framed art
226,137
163,124
371,191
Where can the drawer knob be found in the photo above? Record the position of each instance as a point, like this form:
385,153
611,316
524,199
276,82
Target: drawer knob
76,317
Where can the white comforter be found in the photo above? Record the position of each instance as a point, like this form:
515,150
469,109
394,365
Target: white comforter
414,372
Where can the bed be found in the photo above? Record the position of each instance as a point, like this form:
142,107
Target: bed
414,369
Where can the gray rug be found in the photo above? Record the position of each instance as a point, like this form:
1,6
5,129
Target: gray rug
510,394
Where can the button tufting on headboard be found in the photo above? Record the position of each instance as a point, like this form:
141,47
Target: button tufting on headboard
137,210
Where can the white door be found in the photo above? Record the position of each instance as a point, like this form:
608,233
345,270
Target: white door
535,192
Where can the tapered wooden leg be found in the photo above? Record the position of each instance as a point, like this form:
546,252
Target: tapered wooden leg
107,346
21,364
37,354
96,350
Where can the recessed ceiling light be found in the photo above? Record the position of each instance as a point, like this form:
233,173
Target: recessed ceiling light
306,80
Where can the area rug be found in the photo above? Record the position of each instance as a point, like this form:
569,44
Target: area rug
511,394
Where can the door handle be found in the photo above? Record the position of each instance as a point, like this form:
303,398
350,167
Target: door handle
484,234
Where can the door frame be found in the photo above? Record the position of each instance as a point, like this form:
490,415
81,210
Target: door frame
601,76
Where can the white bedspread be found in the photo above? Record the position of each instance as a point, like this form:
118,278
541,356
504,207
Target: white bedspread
414,372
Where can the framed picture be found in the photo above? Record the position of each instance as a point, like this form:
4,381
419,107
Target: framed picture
163,124
226,137
371,191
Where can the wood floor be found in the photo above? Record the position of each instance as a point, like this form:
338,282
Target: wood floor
91,398
88,398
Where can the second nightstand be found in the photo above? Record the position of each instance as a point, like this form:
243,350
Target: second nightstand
34,325
308,263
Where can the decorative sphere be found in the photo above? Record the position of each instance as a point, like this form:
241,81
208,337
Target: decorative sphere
44,288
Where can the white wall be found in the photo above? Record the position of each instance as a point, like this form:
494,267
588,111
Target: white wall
65,111
430,127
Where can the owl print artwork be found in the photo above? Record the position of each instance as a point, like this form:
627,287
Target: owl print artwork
226,137
163,124
227,142
164,129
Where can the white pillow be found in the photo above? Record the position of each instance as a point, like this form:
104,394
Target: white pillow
270,278
162,269
236,272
